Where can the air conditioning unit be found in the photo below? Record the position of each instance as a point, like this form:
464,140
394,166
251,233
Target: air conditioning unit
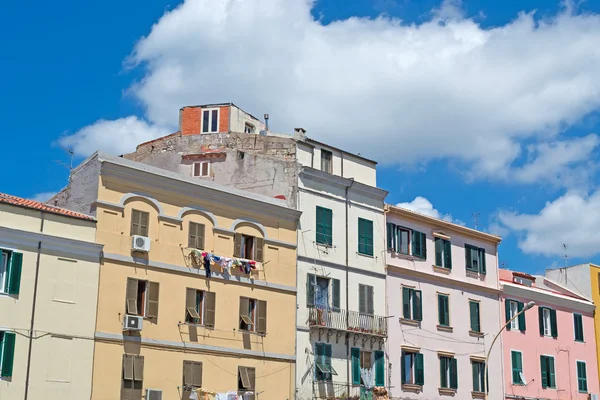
153,394
593,396
140,243
132,323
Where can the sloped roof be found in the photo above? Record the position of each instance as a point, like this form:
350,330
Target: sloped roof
36,205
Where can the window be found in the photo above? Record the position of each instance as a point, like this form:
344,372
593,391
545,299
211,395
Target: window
324,226
253,315
448,373
365,236
516,359
133,377
412,368
139,223
200,307
475,259
443,310
11,265
248,247
411,304
142,298
548,376
365,299
443,253
323,368
202,169
548,326
240,155
478,368
318,289
475,317
523,281
326,164
362,359
581,377
248,128
419,244
512,307
196,236
578,322
246,382
398,238
192,377
210,121
7,353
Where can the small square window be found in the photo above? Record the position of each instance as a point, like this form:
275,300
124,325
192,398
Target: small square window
240,155
326,163
202,169
249,128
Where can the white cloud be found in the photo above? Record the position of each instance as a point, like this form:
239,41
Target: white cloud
43,196
423,206
572,219
414,92
117,136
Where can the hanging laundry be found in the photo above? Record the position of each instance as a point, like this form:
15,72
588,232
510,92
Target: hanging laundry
196,256
252,264
246,266
215,259
207,265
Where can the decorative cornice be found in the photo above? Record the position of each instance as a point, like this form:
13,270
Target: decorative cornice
330,179
136,262
544,297
199,209
340,200
341,266
187,346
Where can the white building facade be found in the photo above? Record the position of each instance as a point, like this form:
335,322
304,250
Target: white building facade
341,324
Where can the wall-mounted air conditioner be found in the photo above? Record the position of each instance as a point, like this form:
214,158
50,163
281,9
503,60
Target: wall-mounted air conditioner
593,396
132,323
153,394
140,243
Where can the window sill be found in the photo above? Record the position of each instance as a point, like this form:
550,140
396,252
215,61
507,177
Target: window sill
437,268
580,341
411,387
446,392
251,332
476,334
410,322
365,254
199,325
478,395
475,274
444,328
325,245
406,256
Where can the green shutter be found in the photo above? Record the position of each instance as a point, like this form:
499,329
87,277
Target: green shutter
423,245
391,236
581,376
14,273
406,294
517,366
443,312
507,313
419,370
419,246
403,368
310,290
453,373
417,311
365,236
447,254
355,352
379,369
541,319
439,250
551,377
319,353
544,368
521,317
324,226
474,312
327,359
482,268
475,371
335,288
443,372
578,321
8,354
553,325
468,262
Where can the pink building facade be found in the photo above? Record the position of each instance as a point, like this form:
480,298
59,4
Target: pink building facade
550,351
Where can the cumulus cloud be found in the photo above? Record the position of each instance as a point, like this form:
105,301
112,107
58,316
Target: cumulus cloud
116,136
43,196
572,219
423,206
446,88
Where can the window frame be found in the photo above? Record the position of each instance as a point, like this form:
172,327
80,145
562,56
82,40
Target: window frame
481,262
249,128
575,326
330,160
5,256
196,235
480,375
323,238
447,298
195,385
142,298
368,291
245,240
445,253
513,368
478,304
412,295
139,223
367,243
200,173
251,382
514,324
547,321
448,364
199,308
210,121
137,385
412,374
394,239
548,379
579,378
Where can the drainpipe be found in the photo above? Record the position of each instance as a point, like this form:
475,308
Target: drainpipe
347,297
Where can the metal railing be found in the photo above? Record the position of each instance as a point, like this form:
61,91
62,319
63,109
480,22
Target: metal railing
340,391
345,320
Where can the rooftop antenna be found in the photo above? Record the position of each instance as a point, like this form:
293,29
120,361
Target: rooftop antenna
566,256
476,219
70,165
503,265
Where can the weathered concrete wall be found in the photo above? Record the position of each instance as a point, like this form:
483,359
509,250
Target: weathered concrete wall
82,190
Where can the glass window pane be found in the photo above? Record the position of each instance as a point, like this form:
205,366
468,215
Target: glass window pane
205,123
214,121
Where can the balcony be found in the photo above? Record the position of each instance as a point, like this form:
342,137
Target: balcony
328,390
347,321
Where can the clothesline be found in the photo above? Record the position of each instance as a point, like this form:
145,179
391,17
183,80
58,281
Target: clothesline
205,259
203,394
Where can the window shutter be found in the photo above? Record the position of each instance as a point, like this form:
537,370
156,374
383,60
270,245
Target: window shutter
244,306
403,368
541,320
138,368
319,353
335,288
197,374
328,227
439,249
406,303
474,308
369,235
131,296
188,373
521,317
453,374
581,376
152,300
544,368
447,254
8,354
260,247
507,313
379,369
482,267
127,367
197,235
362,299
419,373
355,352
553,325
190,304
327,358
440,309
391,236
370,306
135,222
237,245
324,223
261,319
551,377
475,373
416,248
468,262
310,290
14,273
144,223
245,378
444,372
578,320
209,309
417,305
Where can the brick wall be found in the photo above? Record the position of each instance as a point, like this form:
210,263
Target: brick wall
224,119
189,120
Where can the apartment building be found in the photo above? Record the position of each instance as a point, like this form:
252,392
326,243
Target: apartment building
341,324
549,350
197,293
443,306
49,266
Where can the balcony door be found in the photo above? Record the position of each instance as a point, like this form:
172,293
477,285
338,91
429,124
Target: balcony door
322,293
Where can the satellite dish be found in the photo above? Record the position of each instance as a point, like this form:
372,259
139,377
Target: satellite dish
523,380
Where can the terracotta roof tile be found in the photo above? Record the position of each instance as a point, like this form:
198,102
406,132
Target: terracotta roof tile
36,205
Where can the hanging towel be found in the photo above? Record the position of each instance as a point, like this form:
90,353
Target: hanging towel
252,264
207,265
215,259
246,266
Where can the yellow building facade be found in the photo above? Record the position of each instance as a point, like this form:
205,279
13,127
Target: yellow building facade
232,331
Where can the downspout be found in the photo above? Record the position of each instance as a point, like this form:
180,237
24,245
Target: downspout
347,296
298,233
501,316
35,284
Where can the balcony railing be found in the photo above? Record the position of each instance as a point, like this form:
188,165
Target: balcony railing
345,320
340,391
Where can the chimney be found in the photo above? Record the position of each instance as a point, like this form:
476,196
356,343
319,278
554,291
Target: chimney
267,122
299,133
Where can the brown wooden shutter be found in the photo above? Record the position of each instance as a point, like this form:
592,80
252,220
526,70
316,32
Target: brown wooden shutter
259,252
197,374
261,318
244,306
138,368
188,373
190,303
237,245
362,299
243,372
196,236
144,223
152,311
200,236
127,367
251,378
131,296
135,222
209,308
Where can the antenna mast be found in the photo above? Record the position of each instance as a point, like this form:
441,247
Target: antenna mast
476,219
566,255
70,165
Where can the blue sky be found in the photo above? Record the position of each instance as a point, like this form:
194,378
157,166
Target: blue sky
469,106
